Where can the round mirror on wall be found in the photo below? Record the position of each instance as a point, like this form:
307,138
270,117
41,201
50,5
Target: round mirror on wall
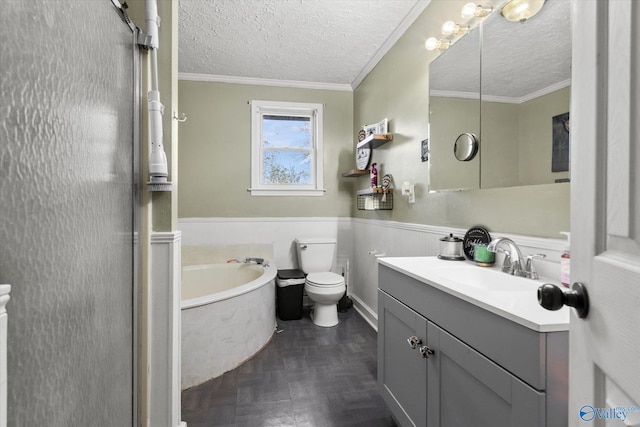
466,147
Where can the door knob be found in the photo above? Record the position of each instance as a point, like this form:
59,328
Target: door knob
552,297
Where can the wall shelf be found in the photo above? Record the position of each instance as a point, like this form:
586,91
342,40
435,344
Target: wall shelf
375,199
355,172
375,140
372,141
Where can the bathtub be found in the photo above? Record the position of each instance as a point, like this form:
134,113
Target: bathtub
228,315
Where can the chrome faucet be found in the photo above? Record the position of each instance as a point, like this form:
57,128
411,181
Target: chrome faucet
513,259
259,261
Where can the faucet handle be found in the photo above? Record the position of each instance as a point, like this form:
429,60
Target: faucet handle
530,269
507,266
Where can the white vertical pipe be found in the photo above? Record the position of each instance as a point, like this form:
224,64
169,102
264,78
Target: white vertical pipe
158,169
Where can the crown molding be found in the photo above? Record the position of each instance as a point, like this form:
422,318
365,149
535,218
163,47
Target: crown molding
263,82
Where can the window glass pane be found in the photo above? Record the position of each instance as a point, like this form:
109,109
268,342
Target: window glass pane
286,131
286,167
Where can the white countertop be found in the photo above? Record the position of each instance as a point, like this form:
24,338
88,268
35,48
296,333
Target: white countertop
513,298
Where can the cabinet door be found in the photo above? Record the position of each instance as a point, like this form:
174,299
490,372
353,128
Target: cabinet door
402,371
467,389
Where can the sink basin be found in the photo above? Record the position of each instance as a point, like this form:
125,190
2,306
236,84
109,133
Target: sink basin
511,297
491,280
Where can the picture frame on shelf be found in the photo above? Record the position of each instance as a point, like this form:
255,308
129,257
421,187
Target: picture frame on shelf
382,126
370,129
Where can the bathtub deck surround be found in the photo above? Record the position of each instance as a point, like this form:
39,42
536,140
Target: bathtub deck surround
307,375
227,309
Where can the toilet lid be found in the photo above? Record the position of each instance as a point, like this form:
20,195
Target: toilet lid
325,279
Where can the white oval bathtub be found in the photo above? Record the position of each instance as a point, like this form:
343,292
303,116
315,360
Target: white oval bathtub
228,315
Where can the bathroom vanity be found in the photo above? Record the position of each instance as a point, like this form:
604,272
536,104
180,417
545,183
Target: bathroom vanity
462,345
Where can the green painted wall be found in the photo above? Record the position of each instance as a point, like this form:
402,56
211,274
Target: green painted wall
215,152
398,89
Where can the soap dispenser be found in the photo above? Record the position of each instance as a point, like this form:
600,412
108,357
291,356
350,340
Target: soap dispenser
565,262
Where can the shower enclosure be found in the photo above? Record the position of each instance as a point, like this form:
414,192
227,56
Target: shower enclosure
68,211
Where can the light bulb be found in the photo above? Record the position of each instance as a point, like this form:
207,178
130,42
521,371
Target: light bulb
521,10
433,43
472,10
450,27
468,10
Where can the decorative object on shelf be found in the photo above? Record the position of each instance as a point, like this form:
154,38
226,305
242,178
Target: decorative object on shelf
374,175
363,155
370,129
387,180
451,248
362,134
382,126
474,236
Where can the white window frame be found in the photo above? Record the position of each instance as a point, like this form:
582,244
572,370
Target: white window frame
315,112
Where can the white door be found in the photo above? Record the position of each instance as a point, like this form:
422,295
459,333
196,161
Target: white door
604,373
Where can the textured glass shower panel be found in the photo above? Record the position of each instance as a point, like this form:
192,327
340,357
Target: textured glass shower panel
66,147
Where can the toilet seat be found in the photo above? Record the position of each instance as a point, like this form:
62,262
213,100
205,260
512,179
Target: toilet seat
325,279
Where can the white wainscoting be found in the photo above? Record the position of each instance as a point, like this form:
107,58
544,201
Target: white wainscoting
164,330
360,242
4,322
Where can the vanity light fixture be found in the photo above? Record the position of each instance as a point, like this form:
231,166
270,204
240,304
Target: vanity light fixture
451,28
472,10
521,10
433,43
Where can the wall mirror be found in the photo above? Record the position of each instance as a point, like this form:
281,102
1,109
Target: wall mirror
454,109
522,101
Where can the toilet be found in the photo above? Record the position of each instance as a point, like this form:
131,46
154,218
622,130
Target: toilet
324,288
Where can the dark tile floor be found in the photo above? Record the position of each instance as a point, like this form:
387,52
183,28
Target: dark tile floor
306,376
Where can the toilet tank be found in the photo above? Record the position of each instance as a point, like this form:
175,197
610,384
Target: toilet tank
315,254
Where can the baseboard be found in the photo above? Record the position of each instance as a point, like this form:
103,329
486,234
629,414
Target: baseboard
365,311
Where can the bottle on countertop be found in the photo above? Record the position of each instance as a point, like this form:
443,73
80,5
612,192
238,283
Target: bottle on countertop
374,175
565,262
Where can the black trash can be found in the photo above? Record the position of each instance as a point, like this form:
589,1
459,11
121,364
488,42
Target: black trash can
290,287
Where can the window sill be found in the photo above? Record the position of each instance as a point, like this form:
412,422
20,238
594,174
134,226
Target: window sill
264,192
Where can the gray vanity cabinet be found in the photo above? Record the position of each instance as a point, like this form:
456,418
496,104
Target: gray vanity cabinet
467,389
402,372
480,369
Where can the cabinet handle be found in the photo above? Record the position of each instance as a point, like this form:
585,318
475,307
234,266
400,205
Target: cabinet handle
414,342
426,351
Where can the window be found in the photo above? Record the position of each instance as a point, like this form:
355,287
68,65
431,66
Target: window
286,149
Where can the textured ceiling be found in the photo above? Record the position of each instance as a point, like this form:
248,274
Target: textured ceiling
320,41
